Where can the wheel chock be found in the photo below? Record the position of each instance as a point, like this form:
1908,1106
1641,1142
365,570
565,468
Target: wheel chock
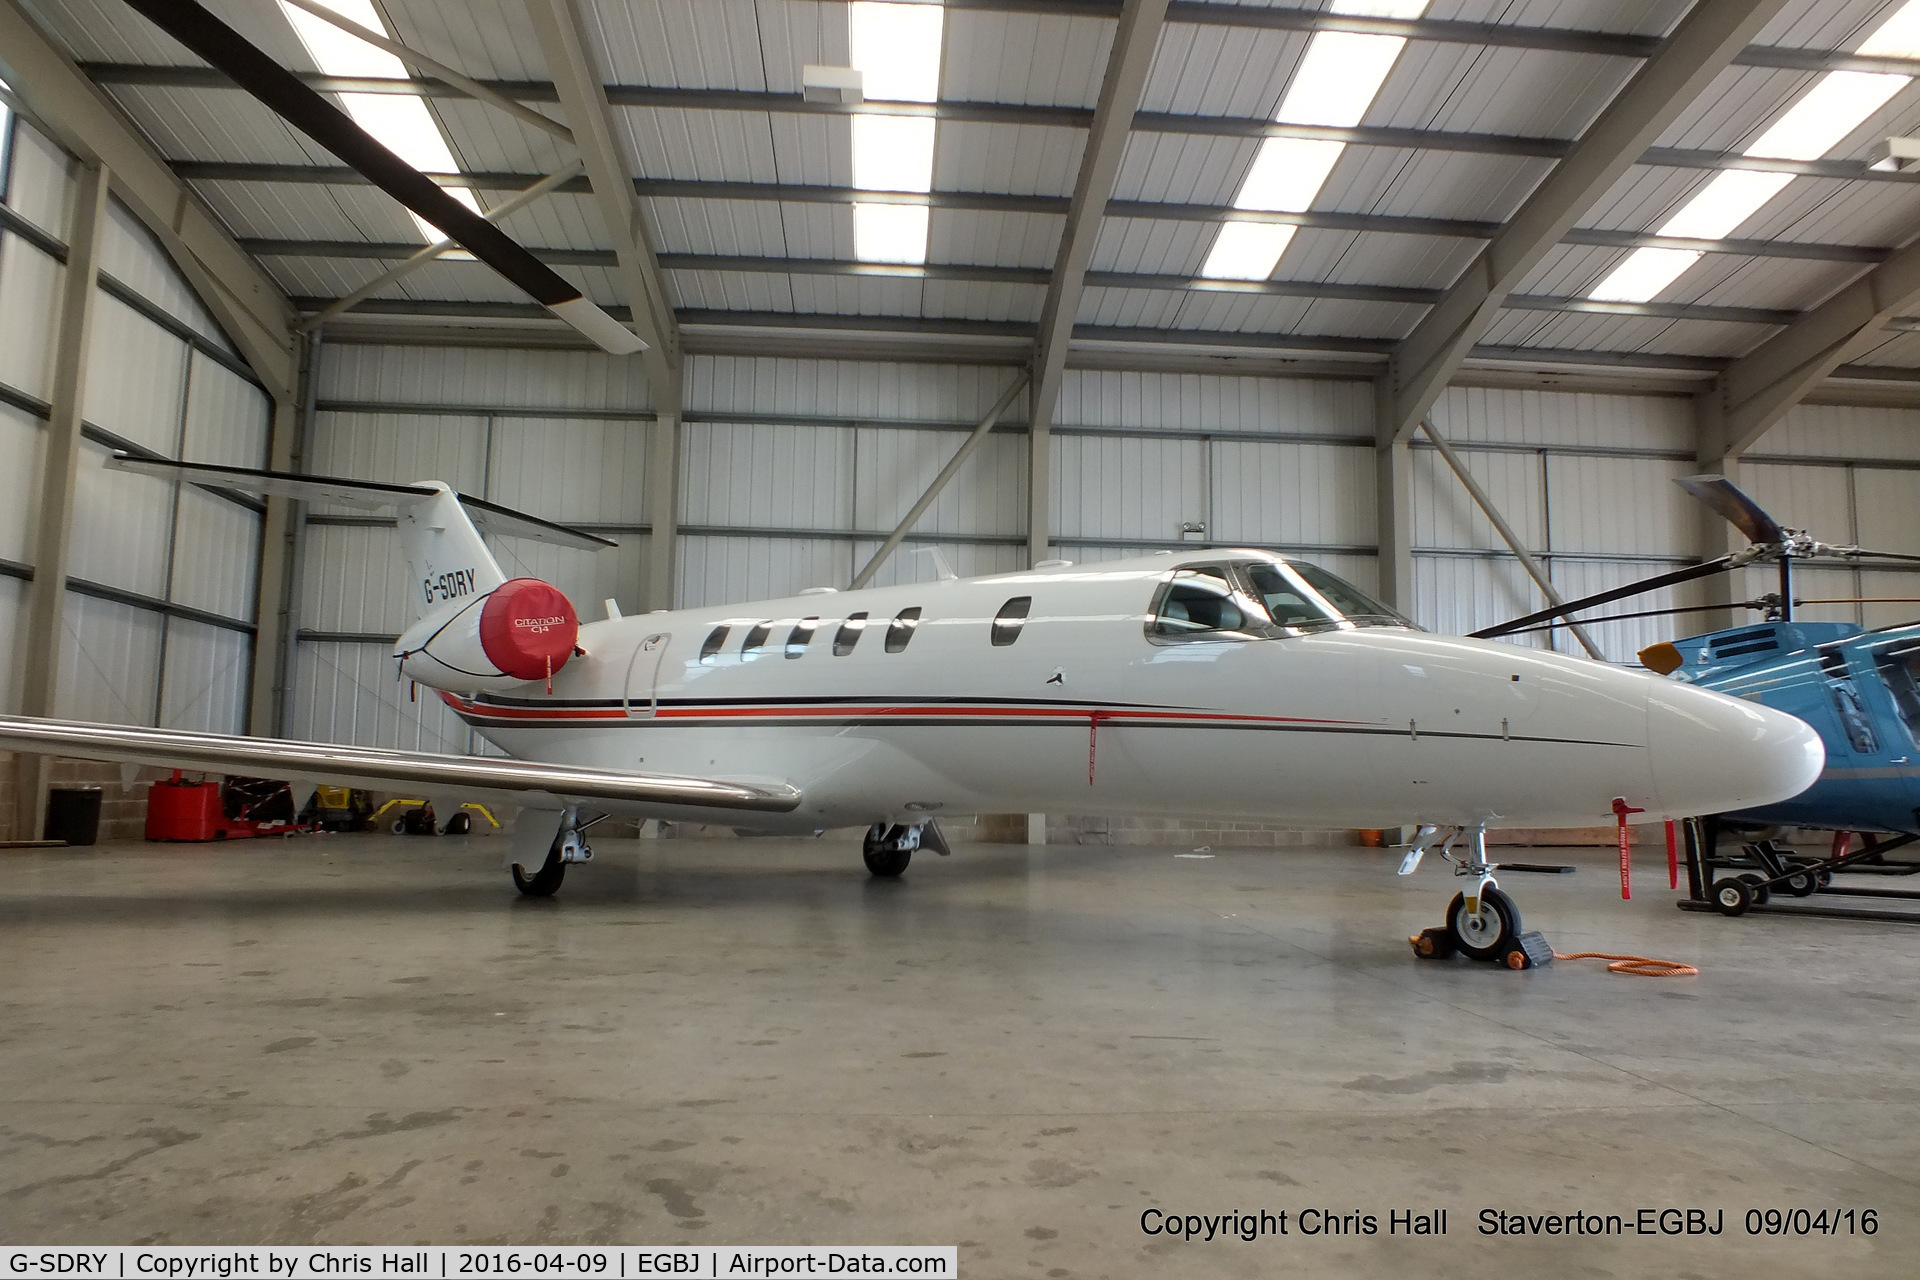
1432,944
1530,951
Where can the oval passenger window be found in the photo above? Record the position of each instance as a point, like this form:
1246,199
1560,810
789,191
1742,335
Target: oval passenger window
849,634
1012,616
715,638
801,636
901,629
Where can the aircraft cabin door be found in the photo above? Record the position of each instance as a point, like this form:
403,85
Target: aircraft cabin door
642,699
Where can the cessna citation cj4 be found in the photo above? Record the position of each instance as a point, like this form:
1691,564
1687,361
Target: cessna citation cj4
1228,684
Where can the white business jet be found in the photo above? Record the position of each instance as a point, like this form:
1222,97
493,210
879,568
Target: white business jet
1216,683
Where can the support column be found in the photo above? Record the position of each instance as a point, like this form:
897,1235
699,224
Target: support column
663,497
1039,480
283,555
1393,507
53,543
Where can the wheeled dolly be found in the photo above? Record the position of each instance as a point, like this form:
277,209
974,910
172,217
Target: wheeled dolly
1761,869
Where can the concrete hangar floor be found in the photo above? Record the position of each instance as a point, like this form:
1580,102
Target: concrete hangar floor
372,1039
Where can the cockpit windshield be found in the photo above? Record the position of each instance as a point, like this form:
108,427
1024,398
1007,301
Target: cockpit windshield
1307,597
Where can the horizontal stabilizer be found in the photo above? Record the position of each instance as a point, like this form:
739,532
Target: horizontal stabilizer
369,495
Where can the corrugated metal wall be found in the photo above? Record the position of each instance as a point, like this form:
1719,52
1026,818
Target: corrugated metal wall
161,599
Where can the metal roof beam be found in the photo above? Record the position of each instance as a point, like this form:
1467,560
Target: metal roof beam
1384,224
1059,117
242,297
1684,66
1756,390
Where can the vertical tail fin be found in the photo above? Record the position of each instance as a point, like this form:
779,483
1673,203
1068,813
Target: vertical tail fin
448,559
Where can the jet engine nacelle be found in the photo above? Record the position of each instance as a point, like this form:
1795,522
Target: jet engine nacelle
521,631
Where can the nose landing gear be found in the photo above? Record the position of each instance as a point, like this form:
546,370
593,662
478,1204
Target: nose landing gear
1482,921
889,847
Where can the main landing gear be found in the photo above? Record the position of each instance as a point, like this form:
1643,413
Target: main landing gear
1482,921
569,845
889,846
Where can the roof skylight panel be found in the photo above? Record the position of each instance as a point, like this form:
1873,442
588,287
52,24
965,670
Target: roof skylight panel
1839,103
1335,84
400,121
896,48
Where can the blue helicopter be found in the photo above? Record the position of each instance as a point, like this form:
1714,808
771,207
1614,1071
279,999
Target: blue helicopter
1859,689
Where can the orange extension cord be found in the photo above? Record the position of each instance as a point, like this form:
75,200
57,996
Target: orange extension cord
1640,966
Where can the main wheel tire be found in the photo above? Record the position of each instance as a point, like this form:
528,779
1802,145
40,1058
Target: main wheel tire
1492,934
1757,886
1732,896
459,824
889,863
545,882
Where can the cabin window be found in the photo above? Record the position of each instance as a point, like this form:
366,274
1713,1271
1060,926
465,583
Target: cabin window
849,634
1899,666
1012,617
1197,602
715,639
756,642
801,636
901,629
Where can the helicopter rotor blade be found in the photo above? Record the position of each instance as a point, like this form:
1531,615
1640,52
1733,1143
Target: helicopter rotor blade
1718,565
1660,613
1735,507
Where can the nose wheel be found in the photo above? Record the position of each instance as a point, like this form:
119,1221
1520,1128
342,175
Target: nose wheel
1482,921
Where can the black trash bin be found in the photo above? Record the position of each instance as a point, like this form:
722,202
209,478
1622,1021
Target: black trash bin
73,815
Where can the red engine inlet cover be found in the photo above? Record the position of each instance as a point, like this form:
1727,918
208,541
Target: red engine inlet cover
527,624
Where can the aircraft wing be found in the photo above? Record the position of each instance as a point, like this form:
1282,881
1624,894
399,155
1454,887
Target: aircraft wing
520,782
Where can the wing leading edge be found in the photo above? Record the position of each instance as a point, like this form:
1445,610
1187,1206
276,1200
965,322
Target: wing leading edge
523,782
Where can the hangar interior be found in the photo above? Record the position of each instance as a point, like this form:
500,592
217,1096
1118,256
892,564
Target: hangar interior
1204,269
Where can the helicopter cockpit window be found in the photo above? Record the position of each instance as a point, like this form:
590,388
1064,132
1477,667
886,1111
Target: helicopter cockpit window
1899,666
1201,602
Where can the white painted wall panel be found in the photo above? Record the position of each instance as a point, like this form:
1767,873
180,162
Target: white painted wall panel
227,416
904,392
399,449
1844,431
1127,487
39,180
1623,505
456,376
1195,402
1900,590
728,570
216,554
347,693
893,468
1887,504
572,470
1456,594
30,284
1565,418
1293,494
109,664
913,561
355,581
1811,498
1445,515
121,523
23,442
13,622
129,254
587,577
136,377
204,686
775,477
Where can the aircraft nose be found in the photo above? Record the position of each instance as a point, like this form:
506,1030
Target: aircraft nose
1715,754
